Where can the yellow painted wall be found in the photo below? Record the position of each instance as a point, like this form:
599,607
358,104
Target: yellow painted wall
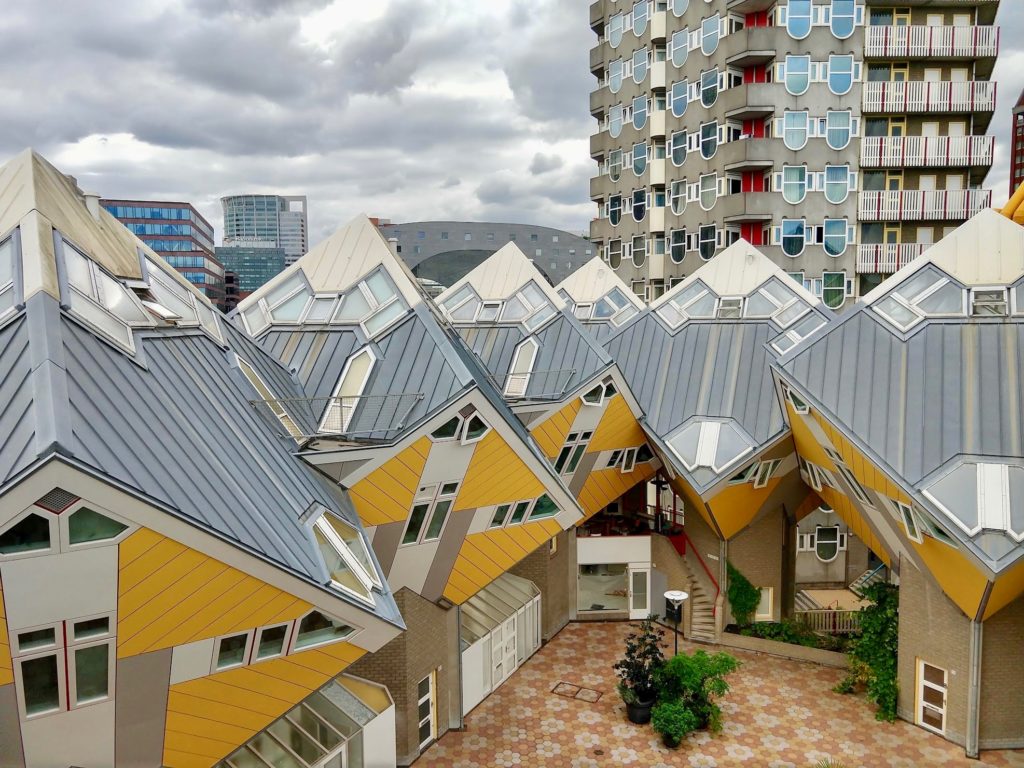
1007,588
210,717
6,666
485,556
169,594
957,576
385,495
866,473
618,428
683,489
603,486
496,475
550,434
736,505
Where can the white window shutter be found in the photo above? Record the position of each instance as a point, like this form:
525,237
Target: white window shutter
855,127
776,182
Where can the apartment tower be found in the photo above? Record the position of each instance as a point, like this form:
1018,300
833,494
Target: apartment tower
278,220
839,137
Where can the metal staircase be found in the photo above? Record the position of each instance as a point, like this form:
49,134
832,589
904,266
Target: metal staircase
702,606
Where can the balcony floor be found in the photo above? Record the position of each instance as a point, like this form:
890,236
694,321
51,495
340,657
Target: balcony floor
779,713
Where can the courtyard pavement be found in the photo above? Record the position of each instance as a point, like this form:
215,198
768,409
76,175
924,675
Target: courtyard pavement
779,714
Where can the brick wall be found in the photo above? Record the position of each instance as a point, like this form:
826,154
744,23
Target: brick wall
933,629
554,576
1002,685
410,657
757,552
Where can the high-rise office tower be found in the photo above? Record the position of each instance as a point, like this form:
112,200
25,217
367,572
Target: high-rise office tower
180,234
840,137
275,219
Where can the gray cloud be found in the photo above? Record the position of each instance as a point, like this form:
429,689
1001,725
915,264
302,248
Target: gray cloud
542,163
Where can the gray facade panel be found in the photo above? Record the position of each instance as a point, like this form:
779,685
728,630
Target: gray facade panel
447,553
141,708
12,752
17,423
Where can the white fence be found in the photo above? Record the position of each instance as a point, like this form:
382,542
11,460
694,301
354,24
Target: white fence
926,151
922,205
937,96
920,41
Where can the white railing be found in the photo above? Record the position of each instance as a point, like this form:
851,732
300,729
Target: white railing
886,258
922,205
926,151
919,96
929,42
833,622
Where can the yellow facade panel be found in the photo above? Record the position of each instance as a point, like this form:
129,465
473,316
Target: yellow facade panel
618,428
550,434
1007,588
863,469
6,665
208,718
960,580
496,475
188,597
385,495
603,486
737,505
850,515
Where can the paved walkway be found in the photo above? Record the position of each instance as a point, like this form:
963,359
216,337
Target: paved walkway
779,714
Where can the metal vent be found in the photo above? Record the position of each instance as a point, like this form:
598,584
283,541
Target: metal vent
57,500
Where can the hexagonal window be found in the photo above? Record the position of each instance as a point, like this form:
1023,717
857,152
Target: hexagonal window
86,526
30,534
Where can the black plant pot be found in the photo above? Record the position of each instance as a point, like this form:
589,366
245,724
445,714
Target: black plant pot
672,742
639,713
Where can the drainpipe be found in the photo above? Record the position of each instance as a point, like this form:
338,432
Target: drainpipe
458,649
974,690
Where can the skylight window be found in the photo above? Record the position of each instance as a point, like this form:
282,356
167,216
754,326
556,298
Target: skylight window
348,392
982,496
173,302
346,556
712,444
465,427
518,380
7,295
798,332
373,303
614,306
103,301
989,302
693,302
928,293
269,398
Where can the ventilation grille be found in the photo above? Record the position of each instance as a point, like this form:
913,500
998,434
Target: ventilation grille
57,500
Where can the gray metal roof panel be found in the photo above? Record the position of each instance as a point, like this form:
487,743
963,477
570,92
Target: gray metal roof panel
17,400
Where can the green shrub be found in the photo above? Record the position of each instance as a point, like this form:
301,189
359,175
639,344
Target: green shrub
828,762
673,721
743,596
696,681
873,654
642,661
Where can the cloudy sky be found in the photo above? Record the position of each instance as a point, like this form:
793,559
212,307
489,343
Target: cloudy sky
408,109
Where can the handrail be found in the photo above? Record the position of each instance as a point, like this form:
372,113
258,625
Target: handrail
718,589
381,416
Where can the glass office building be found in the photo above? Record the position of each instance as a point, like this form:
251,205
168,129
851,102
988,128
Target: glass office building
278,220
180,234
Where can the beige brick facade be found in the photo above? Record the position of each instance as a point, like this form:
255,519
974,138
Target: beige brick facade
757,552
1002,684
554,575
410,657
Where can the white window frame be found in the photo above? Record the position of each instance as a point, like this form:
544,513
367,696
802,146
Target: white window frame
432,495
859,491
246,654
839,542
517,383
255,657
293,639
911,525
770,615
368,579
989,289
54,529
347,411
628,461
272,402
464,438
59,653
765,471
573,441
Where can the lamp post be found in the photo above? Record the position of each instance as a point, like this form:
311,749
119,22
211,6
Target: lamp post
676,598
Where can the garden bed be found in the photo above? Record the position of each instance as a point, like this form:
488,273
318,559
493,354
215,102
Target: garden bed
782,649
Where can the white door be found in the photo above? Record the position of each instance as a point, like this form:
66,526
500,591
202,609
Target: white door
498,673
931,697
927,183
962,20
510,646
954,181
957,128
958,75
426,708
932,74
930,129
935,20
639,592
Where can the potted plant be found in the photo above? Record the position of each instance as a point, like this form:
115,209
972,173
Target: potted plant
696,681
638,668
673,721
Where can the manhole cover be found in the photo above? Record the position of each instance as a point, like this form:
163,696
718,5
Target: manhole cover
572,691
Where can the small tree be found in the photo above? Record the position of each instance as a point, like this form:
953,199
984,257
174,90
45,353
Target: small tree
643,659
673,721
873,654
744,597
696,681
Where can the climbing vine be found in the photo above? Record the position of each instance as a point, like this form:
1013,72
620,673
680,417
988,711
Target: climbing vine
873,654
744,597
